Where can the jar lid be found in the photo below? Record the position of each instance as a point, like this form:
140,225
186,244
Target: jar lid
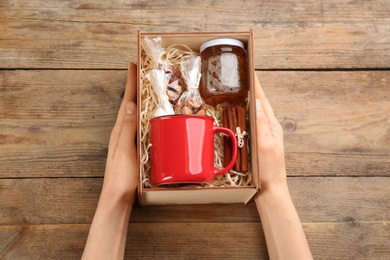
222,41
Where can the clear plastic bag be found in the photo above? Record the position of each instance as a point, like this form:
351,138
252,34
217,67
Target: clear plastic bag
154,49
159,80
190,102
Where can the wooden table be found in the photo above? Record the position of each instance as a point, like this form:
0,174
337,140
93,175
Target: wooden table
324,65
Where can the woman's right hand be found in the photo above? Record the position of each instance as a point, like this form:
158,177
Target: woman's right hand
269,142
281,224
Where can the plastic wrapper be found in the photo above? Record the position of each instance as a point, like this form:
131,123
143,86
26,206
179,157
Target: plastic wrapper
159,80
154,49
191,102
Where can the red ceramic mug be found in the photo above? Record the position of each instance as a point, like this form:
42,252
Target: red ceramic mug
182,149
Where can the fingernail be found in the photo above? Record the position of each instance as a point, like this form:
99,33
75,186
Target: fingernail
258,105
130,107
131,65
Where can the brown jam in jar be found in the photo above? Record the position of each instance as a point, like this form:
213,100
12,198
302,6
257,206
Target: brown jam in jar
224,72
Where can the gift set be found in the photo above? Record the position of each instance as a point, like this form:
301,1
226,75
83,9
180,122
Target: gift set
196,140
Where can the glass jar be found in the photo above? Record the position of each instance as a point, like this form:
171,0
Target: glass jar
224,72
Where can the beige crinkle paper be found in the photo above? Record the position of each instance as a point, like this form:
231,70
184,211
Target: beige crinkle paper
150,102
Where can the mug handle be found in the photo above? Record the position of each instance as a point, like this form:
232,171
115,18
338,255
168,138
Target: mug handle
234,149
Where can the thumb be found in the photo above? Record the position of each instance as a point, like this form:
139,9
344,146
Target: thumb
261,117
128,127
263,126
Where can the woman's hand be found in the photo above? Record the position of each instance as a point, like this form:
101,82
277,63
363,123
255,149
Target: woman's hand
281,224
269,142
108,232
120,178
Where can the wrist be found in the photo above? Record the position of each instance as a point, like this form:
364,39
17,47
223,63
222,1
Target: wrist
273,192
113,197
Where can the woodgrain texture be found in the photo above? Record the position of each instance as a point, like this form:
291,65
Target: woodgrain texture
335,123
289,34
149,13
324,65
320,199
57,122
350,240
332,118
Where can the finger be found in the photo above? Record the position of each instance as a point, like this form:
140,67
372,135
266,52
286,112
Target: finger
259,94
126,142
263,124
265,133
131,84
130,90
129,96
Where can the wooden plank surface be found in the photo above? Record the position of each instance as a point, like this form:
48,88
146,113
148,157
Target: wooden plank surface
324,66
51,119
247,13
320,199
335,123
350,240
100,34
73,45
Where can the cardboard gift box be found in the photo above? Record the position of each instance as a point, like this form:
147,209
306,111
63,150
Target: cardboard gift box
155,195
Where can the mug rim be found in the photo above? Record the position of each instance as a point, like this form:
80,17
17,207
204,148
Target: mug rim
184,115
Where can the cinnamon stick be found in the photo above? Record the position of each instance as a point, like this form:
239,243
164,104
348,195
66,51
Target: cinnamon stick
231,117
241,112
227,150
237,166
